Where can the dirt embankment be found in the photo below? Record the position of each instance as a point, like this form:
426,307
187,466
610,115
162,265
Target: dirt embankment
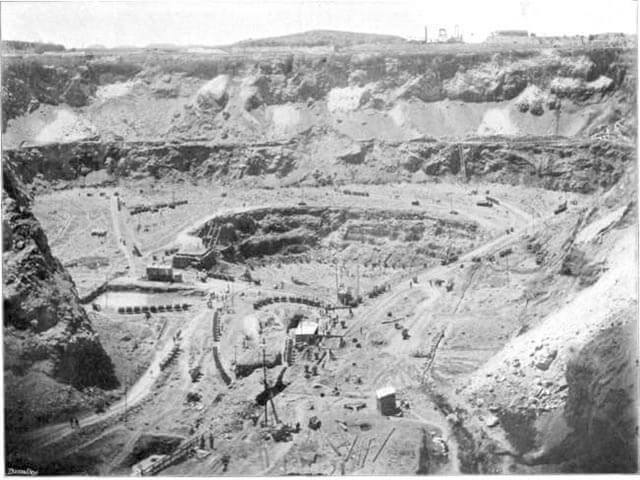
578,165
51,351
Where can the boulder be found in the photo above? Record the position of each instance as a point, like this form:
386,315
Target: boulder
491,421
545,358
213,94
533,100
411,162
314,423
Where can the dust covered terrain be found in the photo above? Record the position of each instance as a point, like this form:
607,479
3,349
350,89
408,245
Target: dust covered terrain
344,215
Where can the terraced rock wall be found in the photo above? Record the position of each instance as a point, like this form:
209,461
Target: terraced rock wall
577,165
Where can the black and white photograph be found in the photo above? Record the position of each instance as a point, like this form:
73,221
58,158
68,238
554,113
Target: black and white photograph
263,238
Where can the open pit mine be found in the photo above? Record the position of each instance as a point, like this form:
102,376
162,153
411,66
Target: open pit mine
365,257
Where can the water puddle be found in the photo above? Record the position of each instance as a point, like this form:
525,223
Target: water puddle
116,300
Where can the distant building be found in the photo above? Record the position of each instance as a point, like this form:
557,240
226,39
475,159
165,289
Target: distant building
510,36
437,33
306,331
386,400
184,260
160,273
205,259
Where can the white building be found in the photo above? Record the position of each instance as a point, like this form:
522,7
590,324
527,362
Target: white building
306,331
386,400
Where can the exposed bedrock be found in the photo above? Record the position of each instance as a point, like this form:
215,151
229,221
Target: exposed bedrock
557,164
46,331
387,237
426,76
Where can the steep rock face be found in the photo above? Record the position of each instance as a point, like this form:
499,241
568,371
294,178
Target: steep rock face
27,82
580,166
565,389
569,165
46,331
601,404
429,76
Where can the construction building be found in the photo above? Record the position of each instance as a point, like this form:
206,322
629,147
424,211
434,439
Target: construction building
306,332
185,260
205,259
510,36
442,34
386,400
162,273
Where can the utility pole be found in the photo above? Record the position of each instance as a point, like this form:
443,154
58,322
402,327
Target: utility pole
337,282
508,276
557,115
357,281
266,386
125,399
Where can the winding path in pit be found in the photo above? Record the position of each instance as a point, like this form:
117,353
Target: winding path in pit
115,219
138,391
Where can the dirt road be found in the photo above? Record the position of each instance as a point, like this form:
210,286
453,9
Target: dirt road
120,238
135,393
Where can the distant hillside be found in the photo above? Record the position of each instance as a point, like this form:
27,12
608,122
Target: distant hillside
163,46
9,46
315,38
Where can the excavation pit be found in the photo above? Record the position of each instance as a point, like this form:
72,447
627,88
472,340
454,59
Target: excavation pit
148,445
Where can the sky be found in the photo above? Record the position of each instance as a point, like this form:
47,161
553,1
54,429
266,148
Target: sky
115,23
